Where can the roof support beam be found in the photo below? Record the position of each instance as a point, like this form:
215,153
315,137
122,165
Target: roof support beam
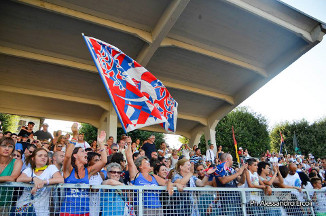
159,32
203,51
92,68
224,97
47,94
162,28
105,105
146,36
267,16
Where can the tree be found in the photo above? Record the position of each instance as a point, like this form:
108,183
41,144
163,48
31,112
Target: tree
250,131
143,135
90,132
311,138
8,122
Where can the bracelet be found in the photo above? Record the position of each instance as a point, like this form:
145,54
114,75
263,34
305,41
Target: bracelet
47,182
32,179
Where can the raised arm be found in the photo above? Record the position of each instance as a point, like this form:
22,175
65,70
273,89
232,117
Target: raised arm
131,165
99,165
67,168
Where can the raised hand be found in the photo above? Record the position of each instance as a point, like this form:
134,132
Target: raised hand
101,137
74,128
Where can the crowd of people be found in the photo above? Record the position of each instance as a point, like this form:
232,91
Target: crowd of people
42,159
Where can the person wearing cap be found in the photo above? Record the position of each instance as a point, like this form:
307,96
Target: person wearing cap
44,133
28,131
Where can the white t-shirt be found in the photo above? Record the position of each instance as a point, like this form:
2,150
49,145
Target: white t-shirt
185,152
273,160
294,181
254,179
42,197
84,145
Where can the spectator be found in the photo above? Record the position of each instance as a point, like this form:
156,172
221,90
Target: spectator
7,134
210,155
112,201
28,131
139,175
253,181
57,159
96,179
18,145
119,159
46,145
56,135
94,146
28,151
185,177
41,174
185,150
225,176
219,151
174,158
114,150
197,158
149,146
163,151
9,171
154,155
1,133
44,133
17,155
81,142
74,171
108,146
122,147
319,197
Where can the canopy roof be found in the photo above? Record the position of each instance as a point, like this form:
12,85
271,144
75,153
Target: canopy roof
211,55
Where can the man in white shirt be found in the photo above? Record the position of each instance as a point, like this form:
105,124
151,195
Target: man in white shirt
210,155
81,142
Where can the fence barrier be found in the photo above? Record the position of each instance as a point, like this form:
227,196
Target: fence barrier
63,199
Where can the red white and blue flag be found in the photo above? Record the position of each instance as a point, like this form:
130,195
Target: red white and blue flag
139,98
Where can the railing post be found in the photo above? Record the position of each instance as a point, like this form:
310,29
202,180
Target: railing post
141,204
311,207
243,202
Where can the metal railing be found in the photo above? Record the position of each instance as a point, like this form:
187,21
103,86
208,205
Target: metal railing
102,200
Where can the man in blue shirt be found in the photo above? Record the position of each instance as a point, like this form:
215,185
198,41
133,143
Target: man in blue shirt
149,146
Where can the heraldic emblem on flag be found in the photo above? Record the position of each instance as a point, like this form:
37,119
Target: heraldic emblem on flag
139,98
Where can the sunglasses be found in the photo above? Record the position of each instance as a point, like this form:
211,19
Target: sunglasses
16,155
114,149
116,172
60,146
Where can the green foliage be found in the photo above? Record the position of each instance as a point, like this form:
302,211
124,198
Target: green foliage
311,138
90,132
250,132
183,140
8,122
143,135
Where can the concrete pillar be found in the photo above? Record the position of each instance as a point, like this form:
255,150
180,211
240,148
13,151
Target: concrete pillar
195,136
108,123
210,137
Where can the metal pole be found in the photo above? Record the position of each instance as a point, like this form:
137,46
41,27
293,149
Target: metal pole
141,204
243,202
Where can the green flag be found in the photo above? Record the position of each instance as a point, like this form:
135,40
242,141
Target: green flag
295,144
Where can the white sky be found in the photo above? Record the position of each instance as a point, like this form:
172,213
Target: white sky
296,93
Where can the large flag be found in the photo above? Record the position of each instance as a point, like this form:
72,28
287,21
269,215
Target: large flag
295,144
282,143
236,146
139,98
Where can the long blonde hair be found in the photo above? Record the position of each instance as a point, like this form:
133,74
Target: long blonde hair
180,163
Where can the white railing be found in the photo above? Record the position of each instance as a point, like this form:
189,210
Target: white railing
16,199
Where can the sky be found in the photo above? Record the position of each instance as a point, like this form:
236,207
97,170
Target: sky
296,93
